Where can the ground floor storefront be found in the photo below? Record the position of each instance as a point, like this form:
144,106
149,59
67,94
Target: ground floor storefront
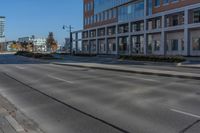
174,44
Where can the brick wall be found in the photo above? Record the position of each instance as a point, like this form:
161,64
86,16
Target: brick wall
173,5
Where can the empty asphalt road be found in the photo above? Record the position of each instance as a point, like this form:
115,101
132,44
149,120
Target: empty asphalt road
63,99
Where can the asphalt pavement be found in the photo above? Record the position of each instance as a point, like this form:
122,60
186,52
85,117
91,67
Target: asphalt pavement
64,99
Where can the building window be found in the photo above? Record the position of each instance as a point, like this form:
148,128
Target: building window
102,46
123,28
93,46
114,13
131,11
196,17
101,32
111,45
149,7
174,1
85,46
88,6
110,14
182,45
157,23
137,44
196,44
123,45
150,42
157,45
95,18
165,2
150,25
137,26
157,3
175,20
85,34
111,30
174,45
93,33
154,23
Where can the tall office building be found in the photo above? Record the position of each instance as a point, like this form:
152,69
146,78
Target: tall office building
144,27
2,28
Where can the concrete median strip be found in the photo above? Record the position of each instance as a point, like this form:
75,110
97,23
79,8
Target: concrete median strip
133,70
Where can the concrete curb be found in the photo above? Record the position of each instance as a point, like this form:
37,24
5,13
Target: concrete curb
188,66
151,62
185,66
196,77
15,124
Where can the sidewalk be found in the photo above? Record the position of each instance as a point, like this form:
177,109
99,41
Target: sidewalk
169,71
190,64
13,121
113,64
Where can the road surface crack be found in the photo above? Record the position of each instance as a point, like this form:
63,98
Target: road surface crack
190,126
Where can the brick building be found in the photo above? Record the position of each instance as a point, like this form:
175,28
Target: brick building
144,27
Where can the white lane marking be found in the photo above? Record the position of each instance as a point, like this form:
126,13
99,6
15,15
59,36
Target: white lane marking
185,113
19,67
15,124
60,79
137,78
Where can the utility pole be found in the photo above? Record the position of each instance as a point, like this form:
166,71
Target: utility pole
69,28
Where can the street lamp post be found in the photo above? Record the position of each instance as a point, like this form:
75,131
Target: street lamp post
69,29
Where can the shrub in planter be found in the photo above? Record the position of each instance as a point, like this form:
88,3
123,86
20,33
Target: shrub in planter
153,58
24,53
85,54
39,55
33,55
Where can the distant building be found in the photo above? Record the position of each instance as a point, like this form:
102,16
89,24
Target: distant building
67,44
39,44
26,39
2,28
7,46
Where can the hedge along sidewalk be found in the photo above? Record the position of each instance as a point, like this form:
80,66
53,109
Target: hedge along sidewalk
169,59
146,71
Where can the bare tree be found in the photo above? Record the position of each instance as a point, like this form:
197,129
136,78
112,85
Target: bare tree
51,43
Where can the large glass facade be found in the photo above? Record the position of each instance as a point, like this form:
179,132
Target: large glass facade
149,7
102,5
131,11
105,10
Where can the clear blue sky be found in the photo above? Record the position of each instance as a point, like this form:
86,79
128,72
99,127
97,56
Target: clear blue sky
38,17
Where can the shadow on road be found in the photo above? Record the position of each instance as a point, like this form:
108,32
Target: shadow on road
12,59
